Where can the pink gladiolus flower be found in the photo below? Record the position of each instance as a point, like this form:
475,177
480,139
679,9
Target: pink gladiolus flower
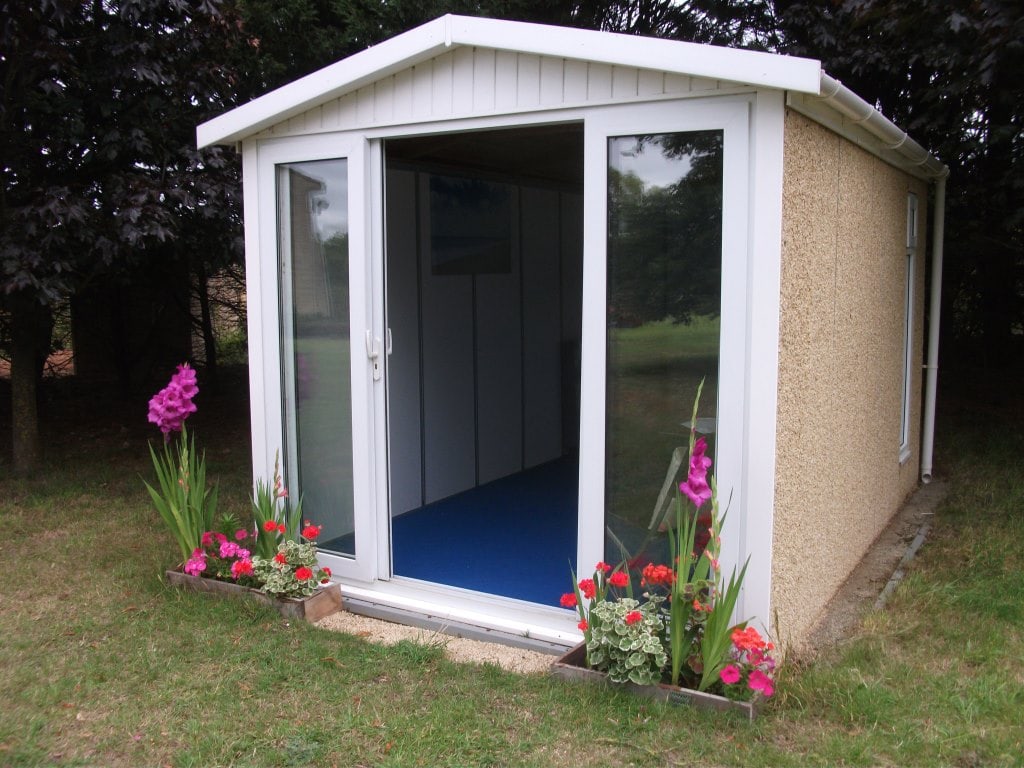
730,674
696,487
759,681
169,407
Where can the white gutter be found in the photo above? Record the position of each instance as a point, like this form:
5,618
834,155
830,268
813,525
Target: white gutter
858,111
935,304
855,109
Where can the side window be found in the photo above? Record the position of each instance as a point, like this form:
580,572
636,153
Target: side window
908,326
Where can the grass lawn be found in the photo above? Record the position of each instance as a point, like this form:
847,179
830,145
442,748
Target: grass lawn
102,664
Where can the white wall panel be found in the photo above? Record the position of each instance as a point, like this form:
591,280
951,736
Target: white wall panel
506,75
599,82
347,111
404,417
575,81
423,90
542,377
403,96
528,81
650,83
384,100
551,77
441,85
624,82
365,104
676,84
484,91
462,80
449,435
499,371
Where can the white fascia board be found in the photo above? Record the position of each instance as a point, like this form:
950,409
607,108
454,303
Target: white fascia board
424,42
405,50
696,60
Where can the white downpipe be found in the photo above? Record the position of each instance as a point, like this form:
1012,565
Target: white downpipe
935,304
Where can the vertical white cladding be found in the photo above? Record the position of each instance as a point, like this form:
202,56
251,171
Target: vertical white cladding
477,82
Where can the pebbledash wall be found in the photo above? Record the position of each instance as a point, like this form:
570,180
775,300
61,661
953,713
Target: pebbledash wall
841,361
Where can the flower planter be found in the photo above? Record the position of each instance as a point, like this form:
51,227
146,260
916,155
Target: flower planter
572,665
323,602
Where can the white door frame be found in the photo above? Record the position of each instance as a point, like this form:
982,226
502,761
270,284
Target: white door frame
731,114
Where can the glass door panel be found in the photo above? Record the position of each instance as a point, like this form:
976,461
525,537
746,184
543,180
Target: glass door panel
664,287
313,249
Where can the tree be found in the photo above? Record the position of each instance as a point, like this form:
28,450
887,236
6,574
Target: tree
98,109
948,73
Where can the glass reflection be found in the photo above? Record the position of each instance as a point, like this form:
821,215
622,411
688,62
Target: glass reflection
664,306
313,248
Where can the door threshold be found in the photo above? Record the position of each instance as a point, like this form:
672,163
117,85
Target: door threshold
462,613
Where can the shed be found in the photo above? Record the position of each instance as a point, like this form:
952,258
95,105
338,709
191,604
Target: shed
490,262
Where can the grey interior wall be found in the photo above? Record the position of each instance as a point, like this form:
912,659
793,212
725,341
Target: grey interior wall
475,384
403,319
542,327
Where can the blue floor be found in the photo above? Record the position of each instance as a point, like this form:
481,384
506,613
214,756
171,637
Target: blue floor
514,537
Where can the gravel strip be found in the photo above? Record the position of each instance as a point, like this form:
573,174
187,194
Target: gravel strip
457,649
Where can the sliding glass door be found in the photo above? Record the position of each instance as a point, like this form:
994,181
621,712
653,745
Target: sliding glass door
325,380
666,248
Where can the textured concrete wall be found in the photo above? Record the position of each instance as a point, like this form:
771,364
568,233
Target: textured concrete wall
839,477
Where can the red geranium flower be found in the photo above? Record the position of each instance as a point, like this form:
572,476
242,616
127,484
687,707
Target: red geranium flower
583,626
270,526
602,567
633,617
618,579
281,558
241,568
658,574
326,570
303,574
588,588
311,531
282,528
568,600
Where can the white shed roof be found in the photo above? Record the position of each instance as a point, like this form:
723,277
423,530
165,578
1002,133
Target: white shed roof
810,89
434,37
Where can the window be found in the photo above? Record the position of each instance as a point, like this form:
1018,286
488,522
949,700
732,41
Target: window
908,327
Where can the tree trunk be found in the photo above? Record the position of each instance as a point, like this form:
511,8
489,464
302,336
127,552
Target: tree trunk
206,318
31,326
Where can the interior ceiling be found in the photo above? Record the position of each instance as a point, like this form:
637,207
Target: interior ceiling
552,153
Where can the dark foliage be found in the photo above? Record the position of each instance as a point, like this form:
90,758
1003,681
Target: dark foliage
949,73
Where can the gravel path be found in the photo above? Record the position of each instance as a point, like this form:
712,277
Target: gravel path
457,649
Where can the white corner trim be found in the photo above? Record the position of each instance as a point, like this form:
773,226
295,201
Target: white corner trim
764,283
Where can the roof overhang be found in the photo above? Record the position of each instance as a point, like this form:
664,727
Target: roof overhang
752,68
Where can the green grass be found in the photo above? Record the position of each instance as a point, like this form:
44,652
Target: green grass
102,664
654,372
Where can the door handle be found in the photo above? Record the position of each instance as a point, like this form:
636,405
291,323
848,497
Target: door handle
373,352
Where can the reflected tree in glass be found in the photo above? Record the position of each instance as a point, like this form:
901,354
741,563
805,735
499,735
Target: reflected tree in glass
664,305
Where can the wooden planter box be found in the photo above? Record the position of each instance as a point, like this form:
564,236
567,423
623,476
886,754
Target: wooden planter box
323,602
572,665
